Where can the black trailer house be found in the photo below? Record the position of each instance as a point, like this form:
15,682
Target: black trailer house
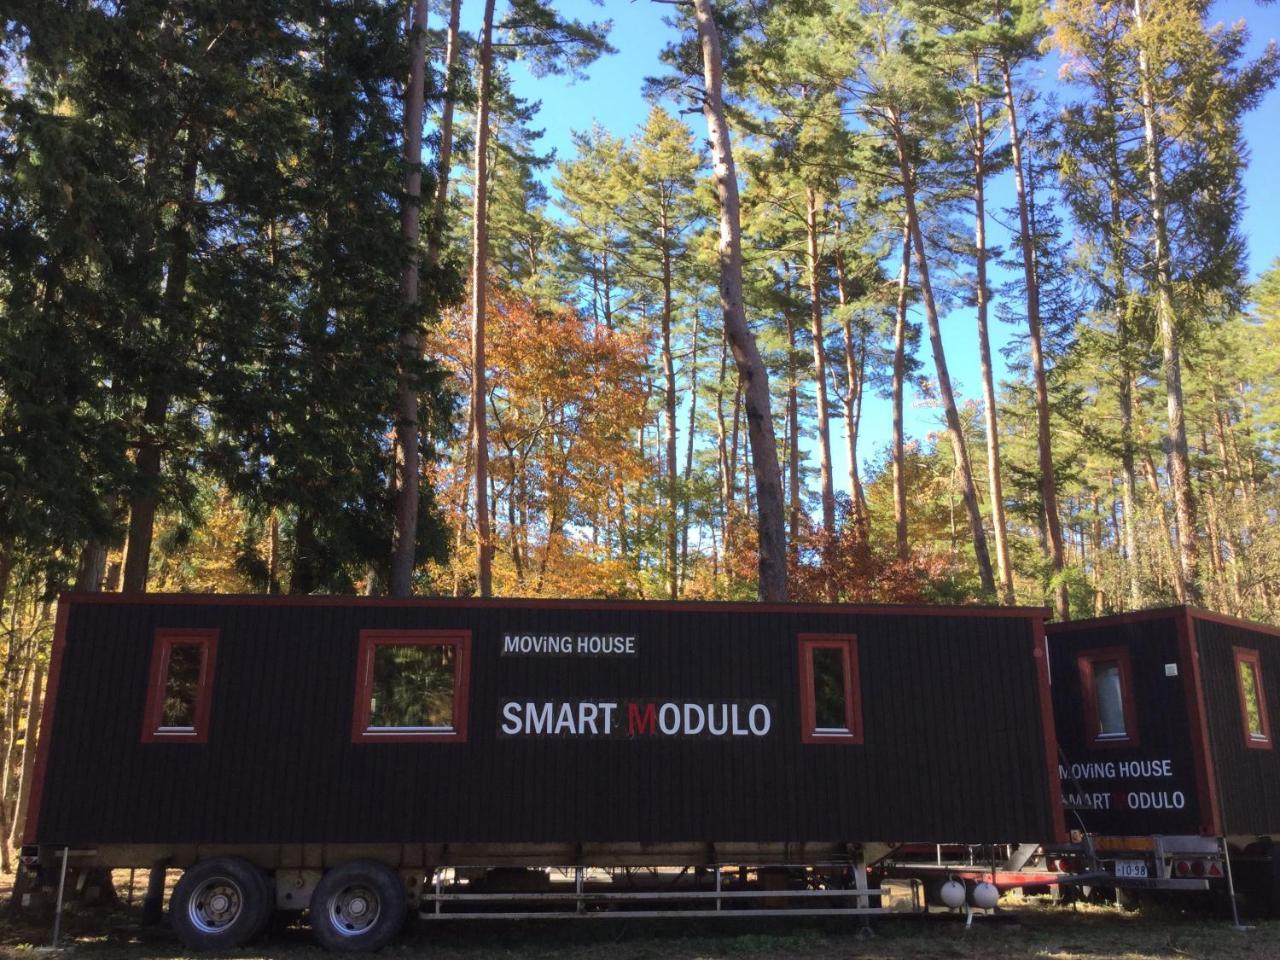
354,755
1164,722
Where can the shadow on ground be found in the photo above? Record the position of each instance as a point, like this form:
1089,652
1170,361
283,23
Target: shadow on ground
1026,931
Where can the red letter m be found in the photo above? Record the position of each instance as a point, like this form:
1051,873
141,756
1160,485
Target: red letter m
637,722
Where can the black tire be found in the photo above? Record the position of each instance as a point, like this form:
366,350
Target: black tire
359,906
220,903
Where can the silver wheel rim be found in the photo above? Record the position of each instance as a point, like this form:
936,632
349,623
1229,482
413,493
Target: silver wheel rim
215,905
354,910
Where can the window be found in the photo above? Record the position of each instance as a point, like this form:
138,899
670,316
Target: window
411,685
1107,687
1253,699
180,687
830,706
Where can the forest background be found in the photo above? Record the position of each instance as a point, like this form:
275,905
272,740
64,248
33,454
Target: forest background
890,300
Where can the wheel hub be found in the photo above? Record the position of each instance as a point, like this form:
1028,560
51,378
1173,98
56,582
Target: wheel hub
354,910
217,904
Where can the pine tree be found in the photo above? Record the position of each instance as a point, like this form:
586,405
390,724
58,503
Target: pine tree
551,44
663,213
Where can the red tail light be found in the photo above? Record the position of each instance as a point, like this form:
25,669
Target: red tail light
1182,868
1215,870
1197,868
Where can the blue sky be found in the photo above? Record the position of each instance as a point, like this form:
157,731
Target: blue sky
611,95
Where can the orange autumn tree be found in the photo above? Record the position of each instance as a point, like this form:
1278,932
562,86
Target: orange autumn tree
565,398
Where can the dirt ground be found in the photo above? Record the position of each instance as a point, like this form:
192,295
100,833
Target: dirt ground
1030,929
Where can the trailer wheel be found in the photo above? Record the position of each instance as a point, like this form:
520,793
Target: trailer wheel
359,906
220,903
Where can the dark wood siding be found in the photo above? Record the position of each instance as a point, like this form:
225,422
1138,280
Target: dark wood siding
954,738
1134,802
1248,779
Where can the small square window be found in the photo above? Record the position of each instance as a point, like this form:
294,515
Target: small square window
180,686
1107,688
411,685
1253,699
830,707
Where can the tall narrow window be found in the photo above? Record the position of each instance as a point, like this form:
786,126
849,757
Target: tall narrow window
1253,699
1107,689
830,708
411,685
180,687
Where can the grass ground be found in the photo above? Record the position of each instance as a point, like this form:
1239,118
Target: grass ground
1027,930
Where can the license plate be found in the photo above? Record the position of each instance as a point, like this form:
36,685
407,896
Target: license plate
1132,869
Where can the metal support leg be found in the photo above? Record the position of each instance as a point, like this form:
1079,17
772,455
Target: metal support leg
860,882
718,901
577,886
57,909
864,901
153,901
438,873
1231,885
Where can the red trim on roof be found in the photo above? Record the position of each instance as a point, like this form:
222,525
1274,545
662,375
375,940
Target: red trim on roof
1133,616
1160,613
1197,613
702,606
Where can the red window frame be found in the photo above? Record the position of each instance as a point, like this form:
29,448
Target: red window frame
1242,655
847,644
370,640
162,645
1093,735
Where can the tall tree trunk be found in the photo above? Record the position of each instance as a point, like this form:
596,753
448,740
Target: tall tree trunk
794,508
304,573
92,569
899,377
751,369
954,427
820,382
1117,237
688,450
854,376
146,495
513,522
669,406
1166,530
6,574
722,452
733,462
1031,280
1129,489
479,291
444,164
404,538
273,555
998,522
29,746
1179,457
